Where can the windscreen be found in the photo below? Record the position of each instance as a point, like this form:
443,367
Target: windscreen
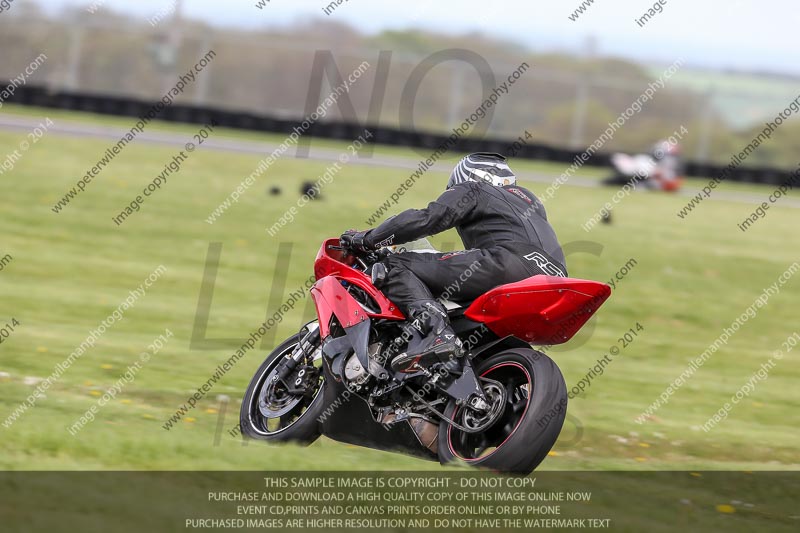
420,245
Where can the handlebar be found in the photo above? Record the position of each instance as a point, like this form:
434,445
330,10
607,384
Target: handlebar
366,259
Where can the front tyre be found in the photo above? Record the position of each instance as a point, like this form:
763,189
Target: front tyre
296,415
535,404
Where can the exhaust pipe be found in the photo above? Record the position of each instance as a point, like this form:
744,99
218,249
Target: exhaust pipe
427,433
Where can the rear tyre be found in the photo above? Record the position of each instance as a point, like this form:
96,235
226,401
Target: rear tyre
534,411
299,423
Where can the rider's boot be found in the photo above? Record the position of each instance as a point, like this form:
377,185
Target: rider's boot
432,339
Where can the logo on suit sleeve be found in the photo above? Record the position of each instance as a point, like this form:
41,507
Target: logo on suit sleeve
386,242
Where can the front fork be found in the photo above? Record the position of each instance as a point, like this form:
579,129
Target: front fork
302,351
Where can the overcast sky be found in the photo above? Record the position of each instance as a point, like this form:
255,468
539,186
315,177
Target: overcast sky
740,34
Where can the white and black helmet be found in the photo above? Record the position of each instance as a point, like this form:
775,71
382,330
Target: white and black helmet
483,166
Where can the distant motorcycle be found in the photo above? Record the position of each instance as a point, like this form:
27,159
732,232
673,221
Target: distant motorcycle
501,405
645,171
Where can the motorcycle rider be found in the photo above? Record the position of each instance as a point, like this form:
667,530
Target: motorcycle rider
660,169
668,172
506,237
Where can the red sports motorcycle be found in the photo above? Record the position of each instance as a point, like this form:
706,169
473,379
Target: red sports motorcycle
500,405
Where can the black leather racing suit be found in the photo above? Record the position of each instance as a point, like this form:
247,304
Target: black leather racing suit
506,238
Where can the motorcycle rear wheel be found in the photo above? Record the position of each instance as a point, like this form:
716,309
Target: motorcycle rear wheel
536,405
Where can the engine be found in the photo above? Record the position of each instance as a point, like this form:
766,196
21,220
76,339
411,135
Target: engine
354,371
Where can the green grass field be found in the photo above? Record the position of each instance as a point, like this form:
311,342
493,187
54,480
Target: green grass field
70,270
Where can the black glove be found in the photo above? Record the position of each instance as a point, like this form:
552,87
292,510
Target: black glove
354,240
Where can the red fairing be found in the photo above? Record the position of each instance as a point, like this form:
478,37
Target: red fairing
542,310
330,298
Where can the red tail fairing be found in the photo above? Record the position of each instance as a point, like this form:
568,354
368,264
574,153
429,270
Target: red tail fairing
541,309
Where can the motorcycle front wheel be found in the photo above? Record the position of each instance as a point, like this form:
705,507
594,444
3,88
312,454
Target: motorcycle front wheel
269,412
